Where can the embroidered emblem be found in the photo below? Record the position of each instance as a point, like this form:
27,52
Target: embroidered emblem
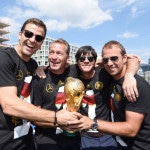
19,75
27,72
88,86
118,96
60,82
49,88
15,120
98,85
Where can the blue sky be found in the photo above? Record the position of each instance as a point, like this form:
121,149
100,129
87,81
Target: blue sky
86,22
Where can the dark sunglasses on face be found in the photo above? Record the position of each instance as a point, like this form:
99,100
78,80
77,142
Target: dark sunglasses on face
29,34
90,58
113,58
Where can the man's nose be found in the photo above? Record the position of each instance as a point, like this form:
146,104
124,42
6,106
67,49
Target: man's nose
109,62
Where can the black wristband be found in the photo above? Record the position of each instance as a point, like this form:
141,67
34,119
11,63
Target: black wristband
55,118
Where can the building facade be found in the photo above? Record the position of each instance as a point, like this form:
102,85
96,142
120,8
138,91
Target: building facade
4,33
144,71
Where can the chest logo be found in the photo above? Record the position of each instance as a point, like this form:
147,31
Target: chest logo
19,75
60,82
118,96
88,86
15,120
98,85
49,88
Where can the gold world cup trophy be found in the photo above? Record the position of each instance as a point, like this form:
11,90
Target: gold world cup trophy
74,91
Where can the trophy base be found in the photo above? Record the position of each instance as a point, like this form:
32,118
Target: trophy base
71,133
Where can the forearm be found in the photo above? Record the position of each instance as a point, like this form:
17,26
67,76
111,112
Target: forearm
46,118
132,66
129,84
14,106
116,128
24,110
45,125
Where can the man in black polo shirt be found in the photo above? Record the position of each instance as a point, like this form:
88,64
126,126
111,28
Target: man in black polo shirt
131,119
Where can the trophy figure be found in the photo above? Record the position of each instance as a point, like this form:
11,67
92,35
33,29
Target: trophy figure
74,91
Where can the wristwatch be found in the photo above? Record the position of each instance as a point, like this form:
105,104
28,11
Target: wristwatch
94,125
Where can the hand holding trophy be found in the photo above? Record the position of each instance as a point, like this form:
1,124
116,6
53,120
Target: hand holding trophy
74,91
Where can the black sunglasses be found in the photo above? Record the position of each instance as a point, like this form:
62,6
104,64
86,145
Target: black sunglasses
29,34
113,58
90,58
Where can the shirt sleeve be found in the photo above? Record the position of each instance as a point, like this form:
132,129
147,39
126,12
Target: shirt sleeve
7,70
142,103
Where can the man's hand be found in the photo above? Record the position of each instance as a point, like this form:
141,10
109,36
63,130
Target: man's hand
132,56
64,117
40,72
129,84
129,87
83,123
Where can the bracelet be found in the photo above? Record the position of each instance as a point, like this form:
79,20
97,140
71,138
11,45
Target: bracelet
55,118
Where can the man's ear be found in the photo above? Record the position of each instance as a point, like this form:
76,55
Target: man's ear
19,35
125,58
68,63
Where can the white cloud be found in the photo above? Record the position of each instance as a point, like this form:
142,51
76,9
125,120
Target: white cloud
117,5
128,34
135,12
129,2
56,25
19,13
61,15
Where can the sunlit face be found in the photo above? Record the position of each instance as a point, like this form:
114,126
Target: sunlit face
86,63
57,57
28,46
115,62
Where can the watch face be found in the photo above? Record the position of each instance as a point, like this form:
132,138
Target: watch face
94,126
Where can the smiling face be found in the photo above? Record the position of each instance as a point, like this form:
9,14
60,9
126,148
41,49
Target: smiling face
28,46
114,62
86,64
58,57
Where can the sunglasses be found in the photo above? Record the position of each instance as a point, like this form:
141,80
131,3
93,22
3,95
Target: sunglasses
113,58
29,34
90,58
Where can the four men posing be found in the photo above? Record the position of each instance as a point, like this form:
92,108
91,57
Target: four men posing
49,94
